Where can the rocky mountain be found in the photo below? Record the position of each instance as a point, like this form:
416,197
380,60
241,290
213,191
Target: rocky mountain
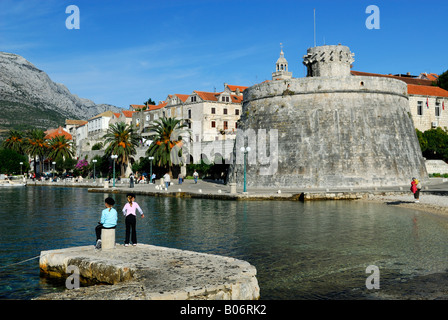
30,99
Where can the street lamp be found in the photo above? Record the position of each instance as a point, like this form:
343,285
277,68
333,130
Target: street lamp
94,161
246,151
150,168
114,157
21,163
54,165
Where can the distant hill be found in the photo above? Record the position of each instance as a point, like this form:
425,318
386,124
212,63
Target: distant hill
30,99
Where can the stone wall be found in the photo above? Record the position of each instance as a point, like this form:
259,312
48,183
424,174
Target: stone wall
436,166
332,132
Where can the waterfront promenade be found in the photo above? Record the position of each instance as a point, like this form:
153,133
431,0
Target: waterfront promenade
218,190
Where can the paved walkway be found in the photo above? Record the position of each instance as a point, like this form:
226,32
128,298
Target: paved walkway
218,190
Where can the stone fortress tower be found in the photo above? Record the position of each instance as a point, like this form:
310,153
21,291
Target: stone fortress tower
328,130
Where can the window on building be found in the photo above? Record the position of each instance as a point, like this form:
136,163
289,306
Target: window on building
213,124
189,113
226,125
213,110
237,112
236,125
193,99
225,99
437,111
225,111
420,108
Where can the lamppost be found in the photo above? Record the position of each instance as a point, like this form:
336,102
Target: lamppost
94,175
246,151
150,168
21,163
54,165
114,157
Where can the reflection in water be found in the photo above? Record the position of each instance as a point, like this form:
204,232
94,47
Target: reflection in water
313,250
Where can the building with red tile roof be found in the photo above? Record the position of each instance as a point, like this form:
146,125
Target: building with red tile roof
428,104
210,115
51,133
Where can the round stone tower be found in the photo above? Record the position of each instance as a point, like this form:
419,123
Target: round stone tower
328,130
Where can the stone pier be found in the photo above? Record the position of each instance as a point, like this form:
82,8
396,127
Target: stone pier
147,272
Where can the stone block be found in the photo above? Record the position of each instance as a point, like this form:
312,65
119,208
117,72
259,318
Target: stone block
107,239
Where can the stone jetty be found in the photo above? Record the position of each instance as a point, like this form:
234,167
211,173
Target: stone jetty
147,272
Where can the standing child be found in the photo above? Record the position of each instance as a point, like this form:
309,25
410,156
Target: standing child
415,188
195,176
129,211
108,220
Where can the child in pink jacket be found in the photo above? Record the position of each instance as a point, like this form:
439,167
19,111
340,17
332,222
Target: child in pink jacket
129,211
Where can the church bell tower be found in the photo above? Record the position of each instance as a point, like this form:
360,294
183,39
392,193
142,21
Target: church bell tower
281,67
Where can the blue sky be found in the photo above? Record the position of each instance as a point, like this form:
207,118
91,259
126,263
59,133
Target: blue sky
128,51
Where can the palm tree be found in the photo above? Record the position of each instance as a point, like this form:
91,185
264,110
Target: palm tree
167,143
36,146
15,141
60,148
122,140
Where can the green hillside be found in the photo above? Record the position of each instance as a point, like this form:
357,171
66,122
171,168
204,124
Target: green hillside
20,116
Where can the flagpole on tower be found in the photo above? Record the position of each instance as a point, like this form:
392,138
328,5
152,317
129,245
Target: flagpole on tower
314,26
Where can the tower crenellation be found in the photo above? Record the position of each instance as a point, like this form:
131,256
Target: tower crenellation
328,61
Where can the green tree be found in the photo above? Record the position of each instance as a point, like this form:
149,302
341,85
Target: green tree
149,101
436,144
442,82
10,162
97,146
15,141
60,148
422,141
167,142
122,140
36,146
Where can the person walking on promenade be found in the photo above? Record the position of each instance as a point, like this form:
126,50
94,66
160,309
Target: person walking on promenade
131,180
167,179
129,211
415,188
180,178
195,176
108,220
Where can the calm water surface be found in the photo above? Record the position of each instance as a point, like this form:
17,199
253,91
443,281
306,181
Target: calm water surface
317,250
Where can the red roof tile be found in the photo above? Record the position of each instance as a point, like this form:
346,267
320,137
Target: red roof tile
127,113
405,79
51,133
207,96
427,91
182,97
233,88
